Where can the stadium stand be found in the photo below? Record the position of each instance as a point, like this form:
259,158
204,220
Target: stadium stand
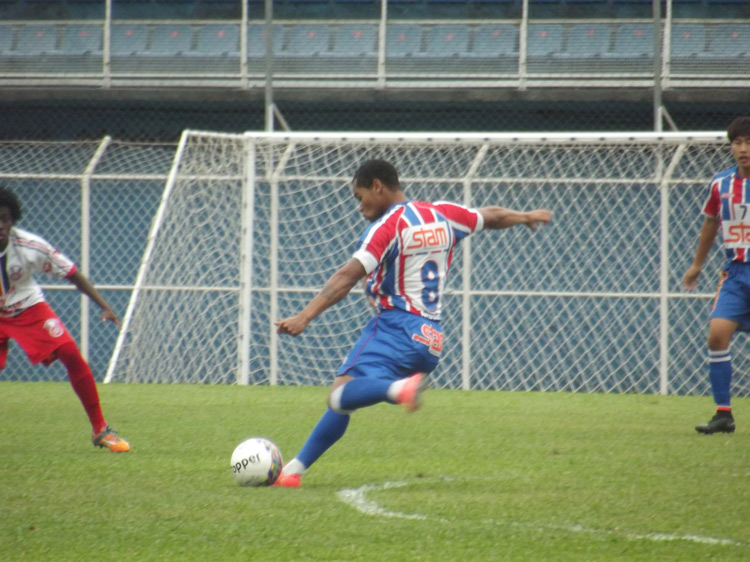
688,40
545,39
446,41
36,39
729,41
129,39
256,40
403,40
170,40
495,41
6,39
633,48
355,49
82,40
585,41
633,41
217,40
356,40
307,40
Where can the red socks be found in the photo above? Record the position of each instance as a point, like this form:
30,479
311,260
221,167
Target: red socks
83,383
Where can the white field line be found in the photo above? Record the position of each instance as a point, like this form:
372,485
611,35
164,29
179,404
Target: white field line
357,498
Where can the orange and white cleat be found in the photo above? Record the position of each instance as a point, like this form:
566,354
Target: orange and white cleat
108,437
288,480
410,394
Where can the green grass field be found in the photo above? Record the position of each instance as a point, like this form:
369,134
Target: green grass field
471,476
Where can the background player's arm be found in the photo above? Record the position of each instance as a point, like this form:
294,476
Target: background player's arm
82,283
706,239
497,217
335,289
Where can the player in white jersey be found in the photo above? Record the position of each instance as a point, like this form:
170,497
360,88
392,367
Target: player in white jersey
726,207
26,317
405,254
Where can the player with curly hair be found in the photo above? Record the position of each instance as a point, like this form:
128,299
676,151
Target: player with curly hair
26,317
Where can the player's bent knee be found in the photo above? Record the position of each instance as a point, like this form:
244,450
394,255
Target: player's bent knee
334,400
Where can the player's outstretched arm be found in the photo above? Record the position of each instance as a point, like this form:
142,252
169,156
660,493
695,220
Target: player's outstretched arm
335,289
497,217
84,285
705,241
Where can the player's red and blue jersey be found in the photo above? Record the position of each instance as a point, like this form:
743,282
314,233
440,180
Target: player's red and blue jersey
728,199
407,253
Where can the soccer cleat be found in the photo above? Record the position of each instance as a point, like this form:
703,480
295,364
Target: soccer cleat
720,423
288,480
410,394
108,437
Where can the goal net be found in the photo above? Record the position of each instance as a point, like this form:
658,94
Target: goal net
251,226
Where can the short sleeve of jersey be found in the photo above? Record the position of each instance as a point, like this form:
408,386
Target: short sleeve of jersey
376,240
464,221
43,257
712,203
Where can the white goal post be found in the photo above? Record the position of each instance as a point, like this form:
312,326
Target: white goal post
251,225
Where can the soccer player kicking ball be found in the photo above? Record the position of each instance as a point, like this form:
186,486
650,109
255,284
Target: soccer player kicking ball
28,319
405,254
727,206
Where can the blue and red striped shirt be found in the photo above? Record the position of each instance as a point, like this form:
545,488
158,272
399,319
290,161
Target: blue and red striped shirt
728,199
407,253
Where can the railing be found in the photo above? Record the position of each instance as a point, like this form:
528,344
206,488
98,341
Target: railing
386,54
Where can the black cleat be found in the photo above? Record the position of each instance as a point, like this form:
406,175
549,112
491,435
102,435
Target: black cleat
720,423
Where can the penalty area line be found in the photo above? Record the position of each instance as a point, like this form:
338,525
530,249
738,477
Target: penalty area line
357,498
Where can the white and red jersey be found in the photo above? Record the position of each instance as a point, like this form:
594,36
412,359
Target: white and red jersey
25,255
407,253
728,199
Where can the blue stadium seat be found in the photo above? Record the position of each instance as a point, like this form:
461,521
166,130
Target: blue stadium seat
218,40
729,41
545,39
307,40
688,40
129,39
491,41
6,38
37,39
256,40
633,41
587,40
171,40
447,40
356,40
403,40
82,39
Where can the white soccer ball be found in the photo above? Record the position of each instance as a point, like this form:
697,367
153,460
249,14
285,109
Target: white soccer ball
256,462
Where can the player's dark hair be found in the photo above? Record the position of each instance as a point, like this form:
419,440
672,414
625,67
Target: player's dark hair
8,199
739,127
377,170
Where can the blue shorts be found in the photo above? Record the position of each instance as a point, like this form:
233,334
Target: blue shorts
733,295
395,344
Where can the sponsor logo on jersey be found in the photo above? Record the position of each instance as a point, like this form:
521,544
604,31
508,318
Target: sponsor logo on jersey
425,238
15,273
736,234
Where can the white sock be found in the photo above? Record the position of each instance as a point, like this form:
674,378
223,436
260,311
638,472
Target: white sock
294,467
395,388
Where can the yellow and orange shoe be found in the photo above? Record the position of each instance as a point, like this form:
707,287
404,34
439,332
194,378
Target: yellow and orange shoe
411,392
288,480
108,437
